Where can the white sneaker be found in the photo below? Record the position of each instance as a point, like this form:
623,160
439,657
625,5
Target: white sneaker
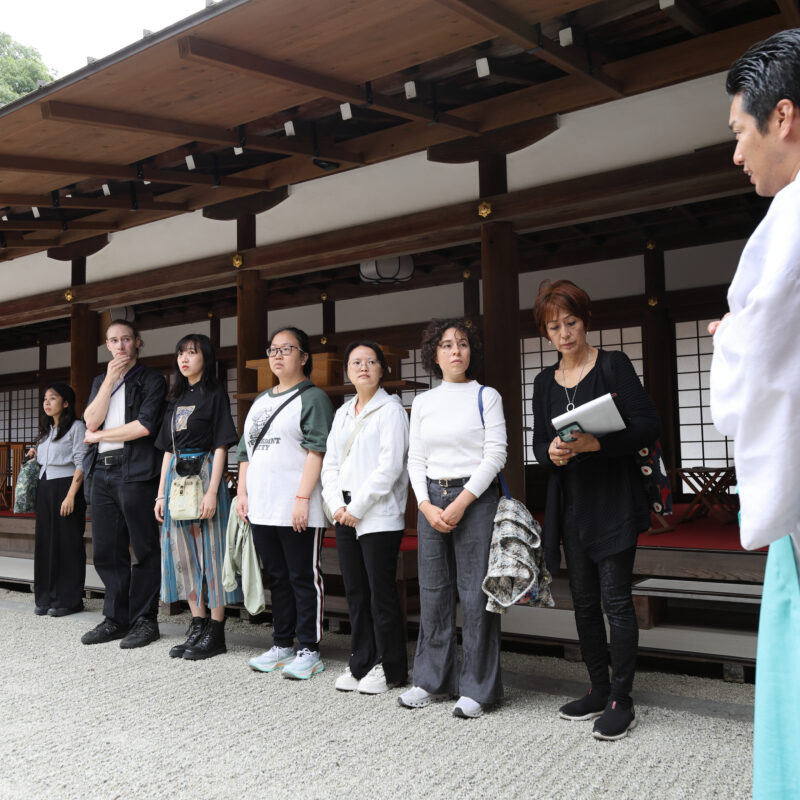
374,682
346,682
417,697
305,664
468,708
274,657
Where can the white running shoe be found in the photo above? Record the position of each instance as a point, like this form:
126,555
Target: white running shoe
305,664
374,682
417,697
274,657
467,708
346,682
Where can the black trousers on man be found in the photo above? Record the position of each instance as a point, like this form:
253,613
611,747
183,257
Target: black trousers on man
123,520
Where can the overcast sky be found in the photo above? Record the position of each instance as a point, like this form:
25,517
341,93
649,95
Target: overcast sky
65,32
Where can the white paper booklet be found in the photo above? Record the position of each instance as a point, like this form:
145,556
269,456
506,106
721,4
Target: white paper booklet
598,417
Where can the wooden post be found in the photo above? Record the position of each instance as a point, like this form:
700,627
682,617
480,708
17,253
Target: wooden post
659,352
83,353
42,372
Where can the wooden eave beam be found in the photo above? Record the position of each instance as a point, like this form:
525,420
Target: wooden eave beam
143,203
191,131
210,53
96,169
509,26
791,12
683,13
57,225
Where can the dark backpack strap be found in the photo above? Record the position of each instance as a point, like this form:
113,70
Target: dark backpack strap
278,411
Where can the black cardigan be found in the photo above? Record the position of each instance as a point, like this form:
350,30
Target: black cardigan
606,486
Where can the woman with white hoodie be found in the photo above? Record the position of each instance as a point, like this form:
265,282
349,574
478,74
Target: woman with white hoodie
365,485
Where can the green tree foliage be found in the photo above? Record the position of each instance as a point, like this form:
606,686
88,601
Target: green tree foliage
20,68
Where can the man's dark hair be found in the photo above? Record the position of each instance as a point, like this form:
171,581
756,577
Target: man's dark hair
766,74
432,335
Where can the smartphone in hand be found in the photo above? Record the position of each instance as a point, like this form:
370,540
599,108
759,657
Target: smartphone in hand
566,434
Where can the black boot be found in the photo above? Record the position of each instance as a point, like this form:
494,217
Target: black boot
211,643
196,628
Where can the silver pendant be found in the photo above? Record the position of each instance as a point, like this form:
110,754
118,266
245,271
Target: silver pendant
570,406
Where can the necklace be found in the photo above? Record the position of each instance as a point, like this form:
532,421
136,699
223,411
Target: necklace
571,403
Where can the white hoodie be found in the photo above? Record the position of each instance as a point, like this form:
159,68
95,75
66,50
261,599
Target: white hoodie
374,471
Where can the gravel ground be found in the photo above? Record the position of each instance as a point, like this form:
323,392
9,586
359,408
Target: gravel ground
100,722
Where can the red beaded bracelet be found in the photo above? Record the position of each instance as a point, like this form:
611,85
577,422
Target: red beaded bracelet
297,497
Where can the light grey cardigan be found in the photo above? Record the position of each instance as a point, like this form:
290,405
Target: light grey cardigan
60,458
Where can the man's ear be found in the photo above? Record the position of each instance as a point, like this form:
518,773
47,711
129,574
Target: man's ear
786,113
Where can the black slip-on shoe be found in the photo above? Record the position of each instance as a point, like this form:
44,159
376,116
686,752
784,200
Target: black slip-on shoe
106,631
143,632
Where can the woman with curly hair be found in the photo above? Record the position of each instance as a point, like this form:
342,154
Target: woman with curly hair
457,445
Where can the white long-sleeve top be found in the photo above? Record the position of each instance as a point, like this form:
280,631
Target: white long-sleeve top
374,471
448,440
755,375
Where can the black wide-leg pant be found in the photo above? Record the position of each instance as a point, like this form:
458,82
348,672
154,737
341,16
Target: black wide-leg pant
59,559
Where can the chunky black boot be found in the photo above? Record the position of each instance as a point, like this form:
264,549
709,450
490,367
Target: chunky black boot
196,628
211,643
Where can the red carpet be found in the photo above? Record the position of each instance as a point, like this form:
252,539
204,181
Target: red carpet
702,533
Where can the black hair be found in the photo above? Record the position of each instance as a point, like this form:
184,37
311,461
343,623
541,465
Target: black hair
766,74
432,335
376,348
208,380
66,393
302,342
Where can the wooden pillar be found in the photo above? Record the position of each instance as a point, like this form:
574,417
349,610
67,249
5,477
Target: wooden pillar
472,296
41,374
328,315
659,352
83,352
213,329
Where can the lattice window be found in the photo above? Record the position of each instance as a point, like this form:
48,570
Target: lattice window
411,369
701,444
538,353
23,415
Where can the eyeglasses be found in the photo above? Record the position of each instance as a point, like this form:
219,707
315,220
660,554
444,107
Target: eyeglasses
370,363
284,350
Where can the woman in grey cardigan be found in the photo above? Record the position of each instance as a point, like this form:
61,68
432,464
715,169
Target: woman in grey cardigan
59,561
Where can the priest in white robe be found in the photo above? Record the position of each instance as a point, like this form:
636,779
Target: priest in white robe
755,390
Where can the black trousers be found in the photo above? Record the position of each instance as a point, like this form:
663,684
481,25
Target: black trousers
123,520
369,572
59,557
291,560
604,585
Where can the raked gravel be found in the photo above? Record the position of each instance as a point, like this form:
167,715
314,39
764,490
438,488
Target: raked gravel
100,722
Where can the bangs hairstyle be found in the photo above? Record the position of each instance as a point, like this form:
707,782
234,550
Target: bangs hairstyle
560,296
208,380
376,348
66,393
302,342
432,335
766,74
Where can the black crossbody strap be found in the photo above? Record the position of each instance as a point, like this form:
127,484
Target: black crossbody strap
278,411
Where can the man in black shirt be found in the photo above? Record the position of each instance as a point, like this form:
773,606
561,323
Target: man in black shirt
123,416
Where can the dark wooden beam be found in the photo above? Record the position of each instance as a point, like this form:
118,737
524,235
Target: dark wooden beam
96,169
57,225
190,131
211,53
144,202
683,13
502,141
78,271
83,352
248,205
80,249
791,12
529,37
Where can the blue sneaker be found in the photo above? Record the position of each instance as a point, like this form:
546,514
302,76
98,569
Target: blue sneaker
305,664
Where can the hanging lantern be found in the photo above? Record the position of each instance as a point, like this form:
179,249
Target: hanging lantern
391,269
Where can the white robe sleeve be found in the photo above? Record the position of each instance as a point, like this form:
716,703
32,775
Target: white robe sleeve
755,375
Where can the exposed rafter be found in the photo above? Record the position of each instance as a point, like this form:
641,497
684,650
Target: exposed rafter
506,24
791,12
96,169
57,225
144,202
683,13
210,53
191,131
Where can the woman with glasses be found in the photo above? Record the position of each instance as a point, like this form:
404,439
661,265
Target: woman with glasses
457,445
280,459
59,559
364,483
195,435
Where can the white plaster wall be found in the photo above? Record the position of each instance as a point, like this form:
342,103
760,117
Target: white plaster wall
634,130
601,280
307,318
58,355
32,275
708,265
227,332
398,308
19,360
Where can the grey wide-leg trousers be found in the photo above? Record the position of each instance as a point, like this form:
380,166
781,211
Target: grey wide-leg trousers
452,567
